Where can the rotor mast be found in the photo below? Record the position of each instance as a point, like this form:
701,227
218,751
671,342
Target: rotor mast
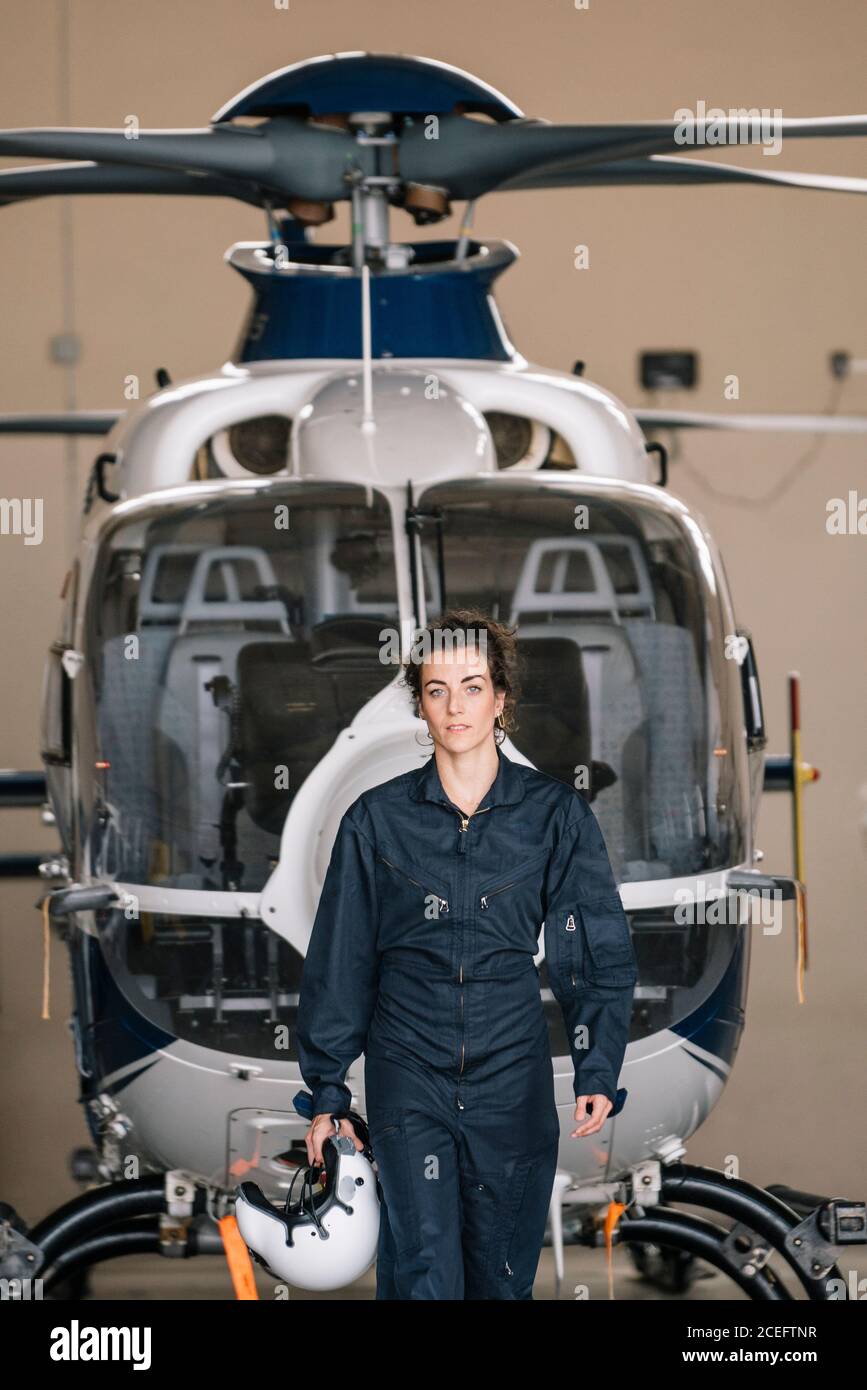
371,193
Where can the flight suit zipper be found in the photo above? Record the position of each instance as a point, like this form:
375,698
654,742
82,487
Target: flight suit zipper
463,1045
462,845
570,926
443,902
465,820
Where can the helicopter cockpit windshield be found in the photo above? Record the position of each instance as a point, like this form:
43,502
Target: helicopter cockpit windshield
626,690
219,637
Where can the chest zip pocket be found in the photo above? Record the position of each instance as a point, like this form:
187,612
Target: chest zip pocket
518,876
431,892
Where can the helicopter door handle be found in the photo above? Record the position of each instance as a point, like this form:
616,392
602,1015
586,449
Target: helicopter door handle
99,477
654,447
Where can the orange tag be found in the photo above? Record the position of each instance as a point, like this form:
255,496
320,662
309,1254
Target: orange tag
238,1259
612,1216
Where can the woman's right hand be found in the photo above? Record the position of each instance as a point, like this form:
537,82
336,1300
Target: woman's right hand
321,1129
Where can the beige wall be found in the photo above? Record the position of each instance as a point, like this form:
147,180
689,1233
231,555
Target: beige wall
765,284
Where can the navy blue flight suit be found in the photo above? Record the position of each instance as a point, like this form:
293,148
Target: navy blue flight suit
421,957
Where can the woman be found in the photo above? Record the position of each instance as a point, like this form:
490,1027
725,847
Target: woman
421,956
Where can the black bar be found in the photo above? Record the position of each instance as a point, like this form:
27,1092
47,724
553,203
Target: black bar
779,774
22,788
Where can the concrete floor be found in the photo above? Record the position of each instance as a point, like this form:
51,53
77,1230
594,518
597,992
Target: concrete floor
151,1277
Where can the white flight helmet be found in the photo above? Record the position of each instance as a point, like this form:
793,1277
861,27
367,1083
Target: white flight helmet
324,1240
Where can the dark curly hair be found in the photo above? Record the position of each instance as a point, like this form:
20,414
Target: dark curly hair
501,646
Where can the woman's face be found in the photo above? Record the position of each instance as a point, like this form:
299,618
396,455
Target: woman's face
458,699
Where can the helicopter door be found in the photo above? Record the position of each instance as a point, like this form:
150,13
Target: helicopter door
218,691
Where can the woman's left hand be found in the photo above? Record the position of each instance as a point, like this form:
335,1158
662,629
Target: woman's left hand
590,1124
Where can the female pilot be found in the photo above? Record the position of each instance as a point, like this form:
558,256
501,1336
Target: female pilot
421,957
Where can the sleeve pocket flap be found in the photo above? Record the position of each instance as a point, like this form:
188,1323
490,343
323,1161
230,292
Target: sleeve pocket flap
610,953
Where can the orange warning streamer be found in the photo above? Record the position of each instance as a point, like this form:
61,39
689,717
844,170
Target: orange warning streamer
238,1259
612,1216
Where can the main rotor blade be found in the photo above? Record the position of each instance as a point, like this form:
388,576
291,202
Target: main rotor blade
786,424
83,177
284,155
293,158
41,180
674,169
61,422
203,151
470,158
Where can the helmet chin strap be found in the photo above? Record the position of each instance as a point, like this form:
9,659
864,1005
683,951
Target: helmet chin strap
308,1202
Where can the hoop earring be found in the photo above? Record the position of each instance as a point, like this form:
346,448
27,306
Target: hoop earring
500,720
421,745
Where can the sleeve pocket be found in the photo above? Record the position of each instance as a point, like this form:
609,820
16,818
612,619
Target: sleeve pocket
609,956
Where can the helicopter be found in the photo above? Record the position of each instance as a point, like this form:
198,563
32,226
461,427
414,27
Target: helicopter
259,548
